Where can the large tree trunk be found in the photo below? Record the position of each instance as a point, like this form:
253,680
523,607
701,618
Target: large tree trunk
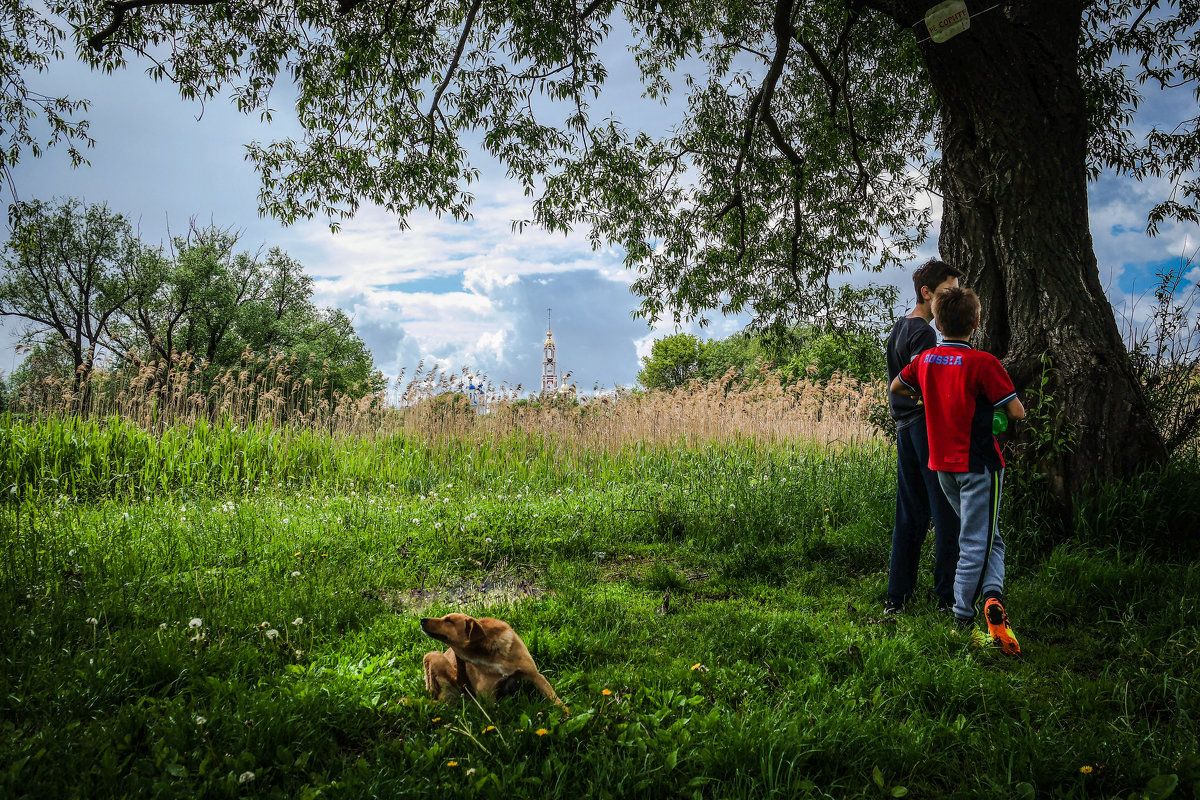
1014,138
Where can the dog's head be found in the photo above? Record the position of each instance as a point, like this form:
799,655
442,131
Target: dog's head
456,630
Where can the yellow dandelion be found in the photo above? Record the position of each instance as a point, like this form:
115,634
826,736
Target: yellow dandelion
697,666
489,729
606,692
451,763
436,719
1086,769
312,551
297,553
541,731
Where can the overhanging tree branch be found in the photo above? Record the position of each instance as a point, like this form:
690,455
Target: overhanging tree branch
96,40
462,44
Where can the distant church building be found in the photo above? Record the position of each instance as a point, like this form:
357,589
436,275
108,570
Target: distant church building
549,367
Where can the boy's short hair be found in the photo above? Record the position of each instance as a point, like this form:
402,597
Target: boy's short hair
956,310
932,274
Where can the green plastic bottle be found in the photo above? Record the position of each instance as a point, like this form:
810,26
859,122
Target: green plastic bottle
999,422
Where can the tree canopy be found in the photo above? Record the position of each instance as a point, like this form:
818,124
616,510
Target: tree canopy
809,135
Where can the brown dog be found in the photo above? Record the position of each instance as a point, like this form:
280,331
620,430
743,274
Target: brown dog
486,658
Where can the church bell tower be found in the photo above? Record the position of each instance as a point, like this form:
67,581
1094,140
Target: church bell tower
549,367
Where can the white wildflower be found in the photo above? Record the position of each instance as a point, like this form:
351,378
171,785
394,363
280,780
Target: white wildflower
272,633
200,721
298,621
295,574
246,777
92,621
195,622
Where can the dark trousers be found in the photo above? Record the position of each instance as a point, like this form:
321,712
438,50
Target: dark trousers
919,498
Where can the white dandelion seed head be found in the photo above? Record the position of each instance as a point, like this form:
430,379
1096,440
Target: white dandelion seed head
92,621
162,626
298,621
272,633
200,721
195,622
295,574
246,777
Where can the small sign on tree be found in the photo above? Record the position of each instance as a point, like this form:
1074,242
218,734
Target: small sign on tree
947,19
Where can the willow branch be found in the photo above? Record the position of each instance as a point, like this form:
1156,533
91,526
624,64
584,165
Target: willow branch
96,40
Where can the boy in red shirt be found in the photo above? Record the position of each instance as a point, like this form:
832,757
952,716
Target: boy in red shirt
962,388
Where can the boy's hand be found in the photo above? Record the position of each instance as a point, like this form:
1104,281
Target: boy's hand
898,387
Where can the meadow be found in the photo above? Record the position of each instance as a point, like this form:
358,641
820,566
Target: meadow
215,609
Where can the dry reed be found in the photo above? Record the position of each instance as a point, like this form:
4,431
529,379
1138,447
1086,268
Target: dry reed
432,405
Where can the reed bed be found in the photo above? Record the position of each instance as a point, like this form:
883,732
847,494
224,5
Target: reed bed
271,392
262,389
760,407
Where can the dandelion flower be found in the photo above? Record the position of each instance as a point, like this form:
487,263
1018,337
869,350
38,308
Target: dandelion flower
298,621
436,719
295,574
470,772
697,666
451,763
246,777
606,692
1086,769
92,621
162,626
200,721
489,729
541,731
272,633
195,622
297,553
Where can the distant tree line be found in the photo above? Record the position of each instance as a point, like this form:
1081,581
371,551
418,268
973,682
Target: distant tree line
91,292
806,352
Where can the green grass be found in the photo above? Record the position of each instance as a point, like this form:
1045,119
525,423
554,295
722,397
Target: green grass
770,676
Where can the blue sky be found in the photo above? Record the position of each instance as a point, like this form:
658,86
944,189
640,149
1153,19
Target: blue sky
459,294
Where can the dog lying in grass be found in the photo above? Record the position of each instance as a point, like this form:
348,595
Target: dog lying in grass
486,658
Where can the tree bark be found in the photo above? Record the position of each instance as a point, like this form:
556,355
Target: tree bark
1015,220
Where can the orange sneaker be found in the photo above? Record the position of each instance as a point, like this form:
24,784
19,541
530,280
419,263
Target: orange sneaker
997,622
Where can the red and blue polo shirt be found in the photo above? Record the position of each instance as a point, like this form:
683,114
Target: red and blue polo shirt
961,387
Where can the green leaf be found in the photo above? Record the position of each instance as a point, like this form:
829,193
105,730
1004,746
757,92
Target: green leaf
1024,791
1161,786
899,791
877,776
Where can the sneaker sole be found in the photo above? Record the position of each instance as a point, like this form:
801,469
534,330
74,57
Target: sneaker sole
1002,635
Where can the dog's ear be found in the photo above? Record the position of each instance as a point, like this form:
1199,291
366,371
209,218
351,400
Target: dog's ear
474,631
